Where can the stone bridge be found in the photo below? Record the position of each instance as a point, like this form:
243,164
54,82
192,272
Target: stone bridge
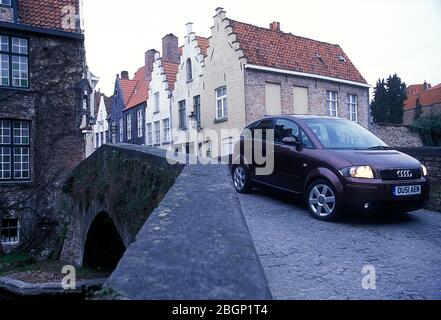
168,231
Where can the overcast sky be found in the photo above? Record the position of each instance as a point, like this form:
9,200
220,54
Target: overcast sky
379,36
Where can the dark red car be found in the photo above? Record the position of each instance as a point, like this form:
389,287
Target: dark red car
334,163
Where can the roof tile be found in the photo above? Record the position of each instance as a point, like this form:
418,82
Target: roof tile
45,14
276,49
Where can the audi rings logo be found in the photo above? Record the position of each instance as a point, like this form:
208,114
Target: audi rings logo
404,174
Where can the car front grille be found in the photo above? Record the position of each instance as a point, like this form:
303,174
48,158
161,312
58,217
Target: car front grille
401,174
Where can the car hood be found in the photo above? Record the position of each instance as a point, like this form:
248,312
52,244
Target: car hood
379,159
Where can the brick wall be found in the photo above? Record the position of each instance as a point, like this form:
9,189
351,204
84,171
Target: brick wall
397,135
255,95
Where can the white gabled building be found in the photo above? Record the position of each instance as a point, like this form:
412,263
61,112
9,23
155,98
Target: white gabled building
186,110
159,103
102,112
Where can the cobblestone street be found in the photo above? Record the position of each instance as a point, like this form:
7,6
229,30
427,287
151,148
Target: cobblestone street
308,259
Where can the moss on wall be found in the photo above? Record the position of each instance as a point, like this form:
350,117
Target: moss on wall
129,184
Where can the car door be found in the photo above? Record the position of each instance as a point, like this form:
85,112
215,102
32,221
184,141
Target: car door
288,159
261,148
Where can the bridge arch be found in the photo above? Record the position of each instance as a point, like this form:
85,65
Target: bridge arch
103,247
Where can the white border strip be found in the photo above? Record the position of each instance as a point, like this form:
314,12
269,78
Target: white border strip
309,75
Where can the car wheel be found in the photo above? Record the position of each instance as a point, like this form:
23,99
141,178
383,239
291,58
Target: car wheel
322,201
241,179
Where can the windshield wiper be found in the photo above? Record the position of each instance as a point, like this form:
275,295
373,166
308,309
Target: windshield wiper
379,148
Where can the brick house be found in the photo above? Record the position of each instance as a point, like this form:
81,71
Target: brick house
186,110
160,96
44,105
252,71
128,107
424,95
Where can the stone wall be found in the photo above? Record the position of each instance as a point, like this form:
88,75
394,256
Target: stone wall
122,182
397,135
193,247
431,158
53,106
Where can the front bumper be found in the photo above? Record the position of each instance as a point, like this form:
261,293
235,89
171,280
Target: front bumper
377,194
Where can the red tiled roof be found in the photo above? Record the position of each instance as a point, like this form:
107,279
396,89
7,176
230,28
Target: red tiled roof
127,87
427,98
141,91
414,88
203,44
171,70
45,14
276,49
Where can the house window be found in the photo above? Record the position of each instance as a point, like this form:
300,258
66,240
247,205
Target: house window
166,129
140,121
197,109
129,126
97,143
156,101
353,107
14,150
14,67
149,134
189,69
157,132
182,113
5,2
10,231
331,103
227,146
221,103
101,138
121,130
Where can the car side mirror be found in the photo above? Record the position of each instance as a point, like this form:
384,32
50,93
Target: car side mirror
292,141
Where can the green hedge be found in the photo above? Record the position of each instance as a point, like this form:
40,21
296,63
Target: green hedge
429,128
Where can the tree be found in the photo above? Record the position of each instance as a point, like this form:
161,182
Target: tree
389,98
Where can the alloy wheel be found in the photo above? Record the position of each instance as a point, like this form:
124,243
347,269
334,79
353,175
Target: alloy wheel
239,178
322,200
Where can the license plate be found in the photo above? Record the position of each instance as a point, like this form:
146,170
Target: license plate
407,191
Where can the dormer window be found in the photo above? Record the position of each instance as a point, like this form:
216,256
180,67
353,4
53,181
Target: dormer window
341,59
189,70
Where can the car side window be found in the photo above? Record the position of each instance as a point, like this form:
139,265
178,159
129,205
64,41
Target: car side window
305,140
263,125
285,129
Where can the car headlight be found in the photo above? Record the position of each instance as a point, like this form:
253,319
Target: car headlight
364,172
425,172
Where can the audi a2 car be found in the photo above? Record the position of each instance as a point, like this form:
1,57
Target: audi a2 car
334,163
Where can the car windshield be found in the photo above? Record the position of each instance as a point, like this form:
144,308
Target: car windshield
344,134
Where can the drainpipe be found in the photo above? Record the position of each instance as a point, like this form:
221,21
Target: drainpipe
170,97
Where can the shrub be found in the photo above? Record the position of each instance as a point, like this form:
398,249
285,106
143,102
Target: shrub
429,128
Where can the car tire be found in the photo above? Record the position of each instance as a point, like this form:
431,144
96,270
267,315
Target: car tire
322,201
241,179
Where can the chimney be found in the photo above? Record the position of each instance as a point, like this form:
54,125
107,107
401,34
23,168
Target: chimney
275,26
149,60
426,86
170,48
189,28
125,75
